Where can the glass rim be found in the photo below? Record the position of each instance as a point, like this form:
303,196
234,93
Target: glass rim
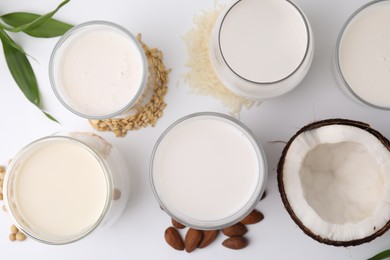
65,37
305,56
66,240
249,204
337,54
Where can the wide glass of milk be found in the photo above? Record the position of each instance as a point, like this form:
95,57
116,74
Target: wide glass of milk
60,188
362,60
261,49
207,171
98,70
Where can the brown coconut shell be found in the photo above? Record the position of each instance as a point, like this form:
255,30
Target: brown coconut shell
281,172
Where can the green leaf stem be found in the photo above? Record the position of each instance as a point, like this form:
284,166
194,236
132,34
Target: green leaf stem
43,26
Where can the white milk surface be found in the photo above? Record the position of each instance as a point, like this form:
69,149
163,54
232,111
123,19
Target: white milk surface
100,70
206,169
60,189
263,41
364,54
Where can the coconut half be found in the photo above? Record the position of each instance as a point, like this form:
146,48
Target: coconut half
334,180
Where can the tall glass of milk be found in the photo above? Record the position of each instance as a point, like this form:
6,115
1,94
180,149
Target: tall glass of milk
60,188
362,60
261,48
207,171
98,70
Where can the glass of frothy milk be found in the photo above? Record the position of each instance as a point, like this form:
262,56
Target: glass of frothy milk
261,49
207,171
362,58
60,188
98,70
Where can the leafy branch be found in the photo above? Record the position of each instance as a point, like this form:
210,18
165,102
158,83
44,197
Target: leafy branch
42,26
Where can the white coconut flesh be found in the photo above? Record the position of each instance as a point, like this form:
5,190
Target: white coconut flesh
336,179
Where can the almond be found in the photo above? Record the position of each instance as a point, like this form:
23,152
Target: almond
208,237
235,242
173,238
177,224
254,217
235,230
192,239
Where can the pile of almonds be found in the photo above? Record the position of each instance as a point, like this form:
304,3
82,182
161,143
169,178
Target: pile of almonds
16,234
195,238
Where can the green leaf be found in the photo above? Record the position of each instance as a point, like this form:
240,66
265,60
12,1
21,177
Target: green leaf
51,27
382,255
4,35
32,25
49,116
20,69
5,27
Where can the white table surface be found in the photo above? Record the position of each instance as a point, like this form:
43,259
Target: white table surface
139,233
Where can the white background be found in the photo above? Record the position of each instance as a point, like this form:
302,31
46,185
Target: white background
139,232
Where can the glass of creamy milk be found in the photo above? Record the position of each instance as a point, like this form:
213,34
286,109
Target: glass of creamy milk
362,60
207,171
60,188
98,70
261,49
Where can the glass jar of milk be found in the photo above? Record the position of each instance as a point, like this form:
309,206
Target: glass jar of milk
207,171
98,70
362,60
60,188
261,49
